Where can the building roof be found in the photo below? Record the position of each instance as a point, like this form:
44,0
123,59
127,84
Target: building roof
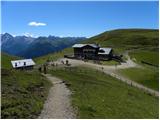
20,63
104,51
82,45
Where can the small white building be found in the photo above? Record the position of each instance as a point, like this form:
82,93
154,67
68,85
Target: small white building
23,64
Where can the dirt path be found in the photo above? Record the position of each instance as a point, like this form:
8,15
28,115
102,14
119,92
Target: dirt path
112,70
58,104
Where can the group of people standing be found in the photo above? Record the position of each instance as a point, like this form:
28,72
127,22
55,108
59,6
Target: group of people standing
43,69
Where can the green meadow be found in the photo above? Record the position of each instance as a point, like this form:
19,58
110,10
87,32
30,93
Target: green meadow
97,95
147,76
6,60
22,92
148,56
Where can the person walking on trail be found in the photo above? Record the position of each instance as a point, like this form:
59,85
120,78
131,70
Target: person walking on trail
40,69
67,62
62,62
45,69
102,69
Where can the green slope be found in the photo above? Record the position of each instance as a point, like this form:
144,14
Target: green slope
97,95
53,56
126,37
120,40
6,60
23,92
148,56
147,76
111,98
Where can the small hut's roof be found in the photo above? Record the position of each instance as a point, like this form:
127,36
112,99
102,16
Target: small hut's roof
104,51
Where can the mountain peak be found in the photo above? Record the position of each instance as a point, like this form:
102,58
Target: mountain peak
7,37
7,34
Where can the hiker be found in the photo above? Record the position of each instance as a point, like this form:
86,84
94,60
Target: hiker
102,68
40,69
53,64
45,69
67,62
62,62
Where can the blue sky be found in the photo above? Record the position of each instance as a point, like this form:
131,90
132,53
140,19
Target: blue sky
76,18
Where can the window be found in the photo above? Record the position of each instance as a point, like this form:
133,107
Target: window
89,50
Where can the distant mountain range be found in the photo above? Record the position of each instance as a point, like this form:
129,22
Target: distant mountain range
29,47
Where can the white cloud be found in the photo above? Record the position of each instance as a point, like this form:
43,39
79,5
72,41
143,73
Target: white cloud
36,24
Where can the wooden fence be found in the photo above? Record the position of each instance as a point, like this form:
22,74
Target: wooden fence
118,77
149,64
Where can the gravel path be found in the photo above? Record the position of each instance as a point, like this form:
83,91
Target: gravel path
112,70
58,104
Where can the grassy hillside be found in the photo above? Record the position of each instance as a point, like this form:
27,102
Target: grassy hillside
6,60
143,44
146,43
127,37
148,76
97,95
120,40
149,56
23,92
53,56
